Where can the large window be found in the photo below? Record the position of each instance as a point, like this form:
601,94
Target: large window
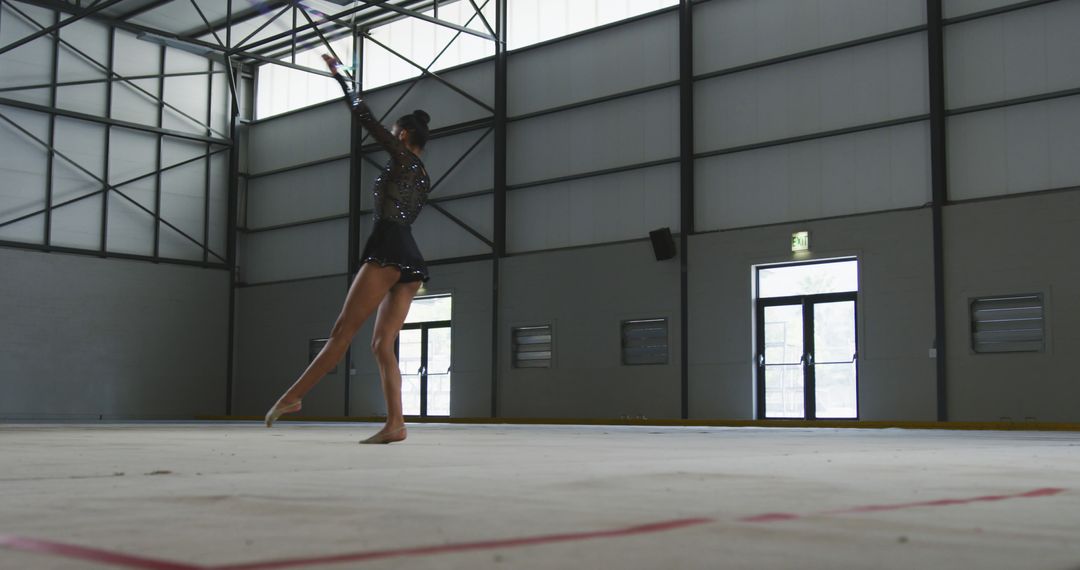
425,44
282,89
535,21
387,55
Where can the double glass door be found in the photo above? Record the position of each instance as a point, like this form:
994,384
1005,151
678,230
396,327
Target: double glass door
424,362
807,357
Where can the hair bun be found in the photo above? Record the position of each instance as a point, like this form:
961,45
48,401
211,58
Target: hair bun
422,116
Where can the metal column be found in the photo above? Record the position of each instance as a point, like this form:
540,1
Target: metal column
686,187
499,249
939,181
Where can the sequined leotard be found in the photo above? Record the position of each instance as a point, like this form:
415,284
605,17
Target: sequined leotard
400,192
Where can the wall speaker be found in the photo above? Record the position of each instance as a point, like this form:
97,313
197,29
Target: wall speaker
663,244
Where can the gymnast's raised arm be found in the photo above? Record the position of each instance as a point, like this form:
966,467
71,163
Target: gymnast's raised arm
363,112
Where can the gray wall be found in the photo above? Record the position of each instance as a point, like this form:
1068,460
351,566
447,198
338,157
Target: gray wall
1015,246
274,325
585,294
895,311
763,169
84,338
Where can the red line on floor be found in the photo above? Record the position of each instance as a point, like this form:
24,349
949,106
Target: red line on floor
90,554
467,546
140,563
774,517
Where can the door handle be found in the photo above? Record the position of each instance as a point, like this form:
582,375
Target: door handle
761,360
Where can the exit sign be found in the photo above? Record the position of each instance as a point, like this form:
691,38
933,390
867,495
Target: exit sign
800,241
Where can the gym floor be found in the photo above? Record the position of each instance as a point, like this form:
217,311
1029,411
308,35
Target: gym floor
235,495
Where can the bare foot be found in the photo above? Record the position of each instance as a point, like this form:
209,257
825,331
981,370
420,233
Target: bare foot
388,435
281,408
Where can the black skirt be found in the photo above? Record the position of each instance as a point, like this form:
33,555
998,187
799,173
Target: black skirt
392,244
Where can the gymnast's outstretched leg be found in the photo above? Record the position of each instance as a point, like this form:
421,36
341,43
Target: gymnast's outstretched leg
369,288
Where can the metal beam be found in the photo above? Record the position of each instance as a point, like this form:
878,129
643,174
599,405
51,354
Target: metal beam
143,9
160,152
102,80
480,12
458,221
231,257
234,92
499,198
284,40
46,248
443,211
108,143
356,172
938,182
207,183
49,208
468,151
56,27
254,33
686,190
811,52
111,122
302,10
106,68
426,18
434,76
303,42
206,22
52,133
384,17
282,48
814,136
426,69
231,215
138,29
997,11
95,178
238,18
288,34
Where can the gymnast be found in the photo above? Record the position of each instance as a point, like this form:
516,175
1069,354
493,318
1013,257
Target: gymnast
392,268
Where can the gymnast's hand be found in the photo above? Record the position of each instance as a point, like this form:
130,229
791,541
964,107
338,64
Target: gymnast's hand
332,63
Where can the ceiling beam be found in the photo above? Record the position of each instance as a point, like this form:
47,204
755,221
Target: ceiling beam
143,9
78,15
237,18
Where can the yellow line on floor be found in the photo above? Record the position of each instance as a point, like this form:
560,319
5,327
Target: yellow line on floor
853,424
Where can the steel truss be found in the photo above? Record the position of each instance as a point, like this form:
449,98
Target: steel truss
233,54
209,137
